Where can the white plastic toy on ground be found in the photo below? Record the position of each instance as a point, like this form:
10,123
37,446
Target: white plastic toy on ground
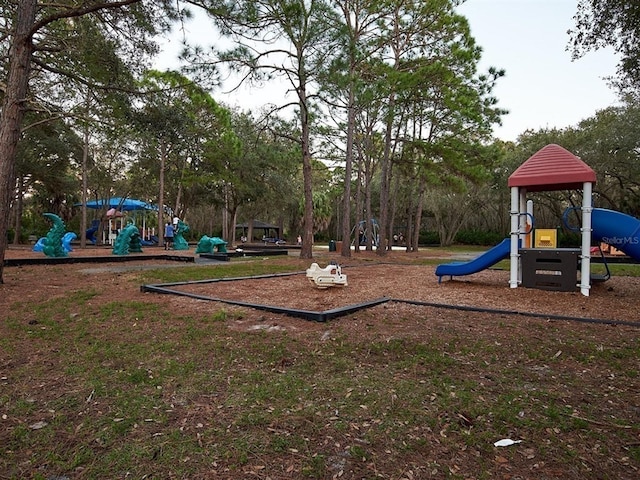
329,276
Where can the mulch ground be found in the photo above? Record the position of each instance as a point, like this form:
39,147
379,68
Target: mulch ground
369,278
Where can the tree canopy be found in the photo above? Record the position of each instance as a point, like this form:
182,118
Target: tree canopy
610,23
387,124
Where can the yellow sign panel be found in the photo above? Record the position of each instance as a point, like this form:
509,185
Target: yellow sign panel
546,238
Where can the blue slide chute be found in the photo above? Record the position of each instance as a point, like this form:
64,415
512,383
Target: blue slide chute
617,229
481,262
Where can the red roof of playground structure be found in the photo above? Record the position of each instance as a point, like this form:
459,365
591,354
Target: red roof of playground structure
552,168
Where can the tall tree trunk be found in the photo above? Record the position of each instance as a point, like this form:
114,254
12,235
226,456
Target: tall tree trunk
85,179
357,219
307,235
250,231
359,208
385,168
393,202
346,201
368,213
13,107
370,227
234,222
178,211
225,215
229,219
163,160
418,219
409,231
17,226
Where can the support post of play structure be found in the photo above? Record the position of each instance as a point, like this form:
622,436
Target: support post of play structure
522,228
522,223
528,243
515,234
585,268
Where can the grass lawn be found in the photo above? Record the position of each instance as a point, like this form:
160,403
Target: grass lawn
98,381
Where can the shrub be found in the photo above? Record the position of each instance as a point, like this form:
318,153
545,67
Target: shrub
569,240
478,237
428,237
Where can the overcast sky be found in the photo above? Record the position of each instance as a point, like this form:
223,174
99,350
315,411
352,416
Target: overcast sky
527,38
542,87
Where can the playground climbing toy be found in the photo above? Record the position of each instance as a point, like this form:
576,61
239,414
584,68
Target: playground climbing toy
67,238
179,242
57,243
553,168
128,240
209,244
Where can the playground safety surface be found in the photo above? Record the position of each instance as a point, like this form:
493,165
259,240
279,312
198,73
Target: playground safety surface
373,280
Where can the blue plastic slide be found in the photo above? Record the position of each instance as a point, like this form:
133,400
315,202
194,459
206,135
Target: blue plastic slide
617,229
481,262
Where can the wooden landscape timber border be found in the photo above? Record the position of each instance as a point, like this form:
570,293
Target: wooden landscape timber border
19,262
325,315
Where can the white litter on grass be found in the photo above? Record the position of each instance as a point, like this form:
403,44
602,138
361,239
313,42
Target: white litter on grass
506,442
268,328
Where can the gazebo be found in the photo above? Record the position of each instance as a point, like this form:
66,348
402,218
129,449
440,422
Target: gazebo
551,168
267,228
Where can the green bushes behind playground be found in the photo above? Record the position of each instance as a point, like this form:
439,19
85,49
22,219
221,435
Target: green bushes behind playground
464,237
478,237
487,238
428,237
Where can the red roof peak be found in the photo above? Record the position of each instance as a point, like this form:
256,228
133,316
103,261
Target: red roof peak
552,168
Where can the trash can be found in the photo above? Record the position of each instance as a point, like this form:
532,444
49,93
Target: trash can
332,245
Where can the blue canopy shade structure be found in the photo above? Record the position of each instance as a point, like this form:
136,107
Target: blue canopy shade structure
114,208
119,203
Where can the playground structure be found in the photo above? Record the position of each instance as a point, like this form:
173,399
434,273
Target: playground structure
209,244
90,234
364,233
112,222
179,242
67,238
553,168
329,276
57,243
108,226
128,240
